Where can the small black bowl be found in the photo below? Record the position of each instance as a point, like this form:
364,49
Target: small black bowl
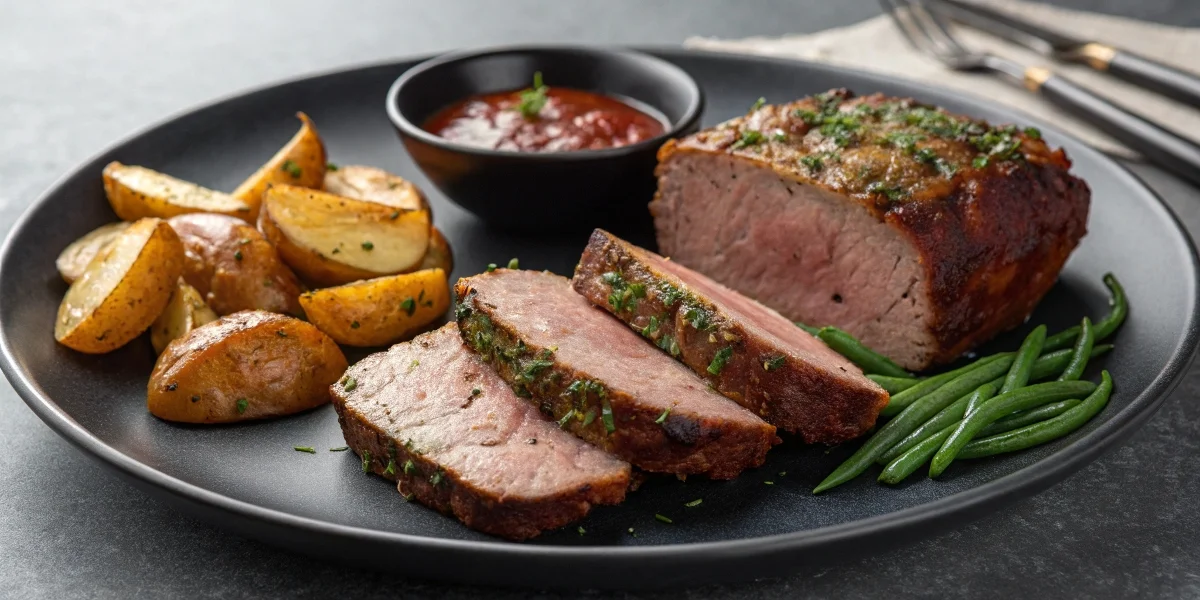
531,191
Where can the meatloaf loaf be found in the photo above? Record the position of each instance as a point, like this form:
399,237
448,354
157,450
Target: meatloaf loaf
921,232
603,382
748,352
431,416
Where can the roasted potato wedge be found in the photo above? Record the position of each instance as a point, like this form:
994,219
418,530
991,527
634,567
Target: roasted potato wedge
185,311
234,267
330,240
380,311
439,255
137,192
122,290
248,365
75,258
300,162
374,185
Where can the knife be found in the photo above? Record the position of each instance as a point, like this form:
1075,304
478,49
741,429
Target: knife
1138,70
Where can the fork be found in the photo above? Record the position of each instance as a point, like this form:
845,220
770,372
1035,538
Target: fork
927,32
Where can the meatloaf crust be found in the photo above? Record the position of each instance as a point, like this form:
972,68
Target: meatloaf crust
992,212
746,351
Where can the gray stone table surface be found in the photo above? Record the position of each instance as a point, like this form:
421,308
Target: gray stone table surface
76,75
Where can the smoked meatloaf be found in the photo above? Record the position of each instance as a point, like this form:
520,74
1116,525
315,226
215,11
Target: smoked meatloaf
746,351
599,380
431,416
921,232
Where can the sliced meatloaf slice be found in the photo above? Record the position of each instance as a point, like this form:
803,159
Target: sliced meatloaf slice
748,352
921,232
602,382
431,416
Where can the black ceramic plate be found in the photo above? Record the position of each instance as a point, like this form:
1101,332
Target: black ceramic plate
248,478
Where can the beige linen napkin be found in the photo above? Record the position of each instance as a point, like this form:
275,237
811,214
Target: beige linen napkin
876,45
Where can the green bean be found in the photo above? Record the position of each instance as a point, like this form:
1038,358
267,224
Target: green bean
901,401
910,418
893,385
1029,352
947,416
912,459
1045,431
1027,417
809,328
1049,365
1002,405
1083,351
1119,310
867,359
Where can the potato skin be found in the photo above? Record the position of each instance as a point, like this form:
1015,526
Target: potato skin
75,257
305,151
312,264
234,267
133,303
376,312
137,192
375,185
279,365
439,255
184,312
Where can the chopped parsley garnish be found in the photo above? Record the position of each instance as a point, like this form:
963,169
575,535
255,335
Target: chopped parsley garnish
534,98
768,483
1033,133
491,267
813,162
308,449
632,533
291,168
663,417
514,263
339,449
663,518
980,161
699,318
532,368
589,417
774,363
718,362
237,256
694,503
354,325
606,415
436,478
582,530
408,497
409,306
476,392
562,423
669,344
409,467
892,192
750,137
330,167
669,294
349,384
395,215
758,104
366,461
281,333
368,245
391,467
651,328
242,405
780,136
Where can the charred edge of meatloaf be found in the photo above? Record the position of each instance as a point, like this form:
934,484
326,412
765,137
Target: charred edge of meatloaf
440,489
788,393
586,406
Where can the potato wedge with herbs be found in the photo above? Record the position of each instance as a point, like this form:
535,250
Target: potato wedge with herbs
137,192
75,258
248,365
439,255
381,311
123,290
185,311
330,240
300,162
374,185
234,267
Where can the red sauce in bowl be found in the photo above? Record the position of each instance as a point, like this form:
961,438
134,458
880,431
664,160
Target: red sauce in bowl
543,119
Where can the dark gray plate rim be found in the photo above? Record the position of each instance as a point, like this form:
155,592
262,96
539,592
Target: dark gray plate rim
971,503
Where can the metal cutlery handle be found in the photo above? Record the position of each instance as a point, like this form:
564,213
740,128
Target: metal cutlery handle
1177,154
1150,74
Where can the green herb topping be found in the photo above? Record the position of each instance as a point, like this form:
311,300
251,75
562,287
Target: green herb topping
718,362
242,405
354,325
366,461
663,518
391,467
368,245
349,383
562,423
774,363
237,256
663,417
409,306
409,467
339,449
308,449
758,104
534,98
514,263
749,137
291,168
330,167
694,503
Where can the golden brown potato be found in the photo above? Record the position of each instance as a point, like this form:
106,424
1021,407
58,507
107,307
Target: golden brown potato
374,185
75,258
330,240
248,365
184,312
379,311
137,192
300,162
122,290
234,267
439,255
